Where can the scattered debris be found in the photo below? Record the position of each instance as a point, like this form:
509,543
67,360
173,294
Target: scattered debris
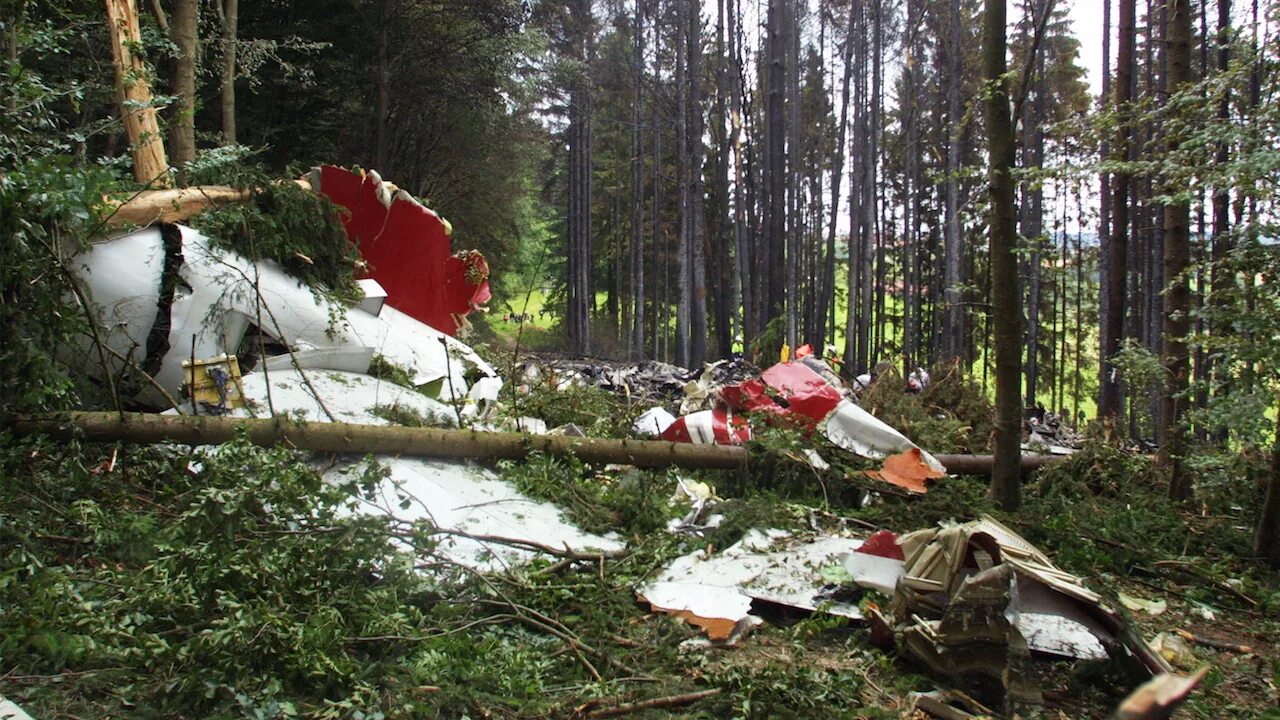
224,304
975,601
1150,607
718,592
949,705
1157,698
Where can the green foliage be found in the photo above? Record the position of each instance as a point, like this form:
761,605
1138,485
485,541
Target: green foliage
598,412
49,207
299,229
951,415
1105,510
632,502
383,369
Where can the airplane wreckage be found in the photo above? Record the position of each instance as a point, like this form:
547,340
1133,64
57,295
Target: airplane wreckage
227,344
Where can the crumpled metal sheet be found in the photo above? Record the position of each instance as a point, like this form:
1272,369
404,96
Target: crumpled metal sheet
716,591
976,599
452,495
222,294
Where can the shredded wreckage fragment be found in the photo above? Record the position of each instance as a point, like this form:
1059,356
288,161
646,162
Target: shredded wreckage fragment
221,334
974,603
803,388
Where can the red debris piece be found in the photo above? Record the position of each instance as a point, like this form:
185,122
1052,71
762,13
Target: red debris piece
707,427
407,247
805,391
883,543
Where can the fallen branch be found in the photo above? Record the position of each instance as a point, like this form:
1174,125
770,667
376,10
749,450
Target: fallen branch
981,464
668,701
1217,644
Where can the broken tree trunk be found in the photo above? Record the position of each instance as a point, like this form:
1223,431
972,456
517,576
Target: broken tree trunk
177,205
425,442
150,167
376,439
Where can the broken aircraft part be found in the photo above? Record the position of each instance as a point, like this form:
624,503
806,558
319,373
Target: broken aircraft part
407,248
716,591
223,303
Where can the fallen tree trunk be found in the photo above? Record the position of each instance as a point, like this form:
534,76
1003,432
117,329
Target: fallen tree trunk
147,428
377,439
176,204
981,464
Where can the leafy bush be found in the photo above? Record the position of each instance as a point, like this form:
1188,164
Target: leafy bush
49,208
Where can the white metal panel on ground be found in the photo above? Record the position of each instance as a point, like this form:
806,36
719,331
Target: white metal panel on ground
452,495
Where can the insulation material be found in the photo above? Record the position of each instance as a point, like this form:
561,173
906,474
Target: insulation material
407,248
908,470
715,592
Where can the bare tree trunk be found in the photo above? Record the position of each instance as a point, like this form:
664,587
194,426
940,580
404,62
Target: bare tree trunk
953,338
182,128
1006,304
230,36
776,164
742,245
580,301
827,294
791,269
697,194
684,274
1118,247
1266,543
721,262
635,341
1104,215
1222,242
1177,297
1033,226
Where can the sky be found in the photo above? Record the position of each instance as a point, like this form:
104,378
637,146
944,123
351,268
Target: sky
1086,21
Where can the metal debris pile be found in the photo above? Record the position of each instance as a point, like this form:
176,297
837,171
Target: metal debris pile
973,604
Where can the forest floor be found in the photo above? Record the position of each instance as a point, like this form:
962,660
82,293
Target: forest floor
162,583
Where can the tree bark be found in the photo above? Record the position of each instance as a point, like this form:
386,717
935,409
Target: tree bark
635,338
1006,303
230,36
150,167
1266,543
1177,295
1222,242
697,193
1118,246
953,331
182,128
375,439
578,250
150,428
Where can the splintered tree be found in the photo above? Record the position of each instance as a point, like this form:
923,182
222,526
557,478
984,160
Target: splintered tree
1006,303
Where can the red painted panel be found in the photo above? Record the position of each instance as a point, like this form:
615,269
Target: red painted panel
407,249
